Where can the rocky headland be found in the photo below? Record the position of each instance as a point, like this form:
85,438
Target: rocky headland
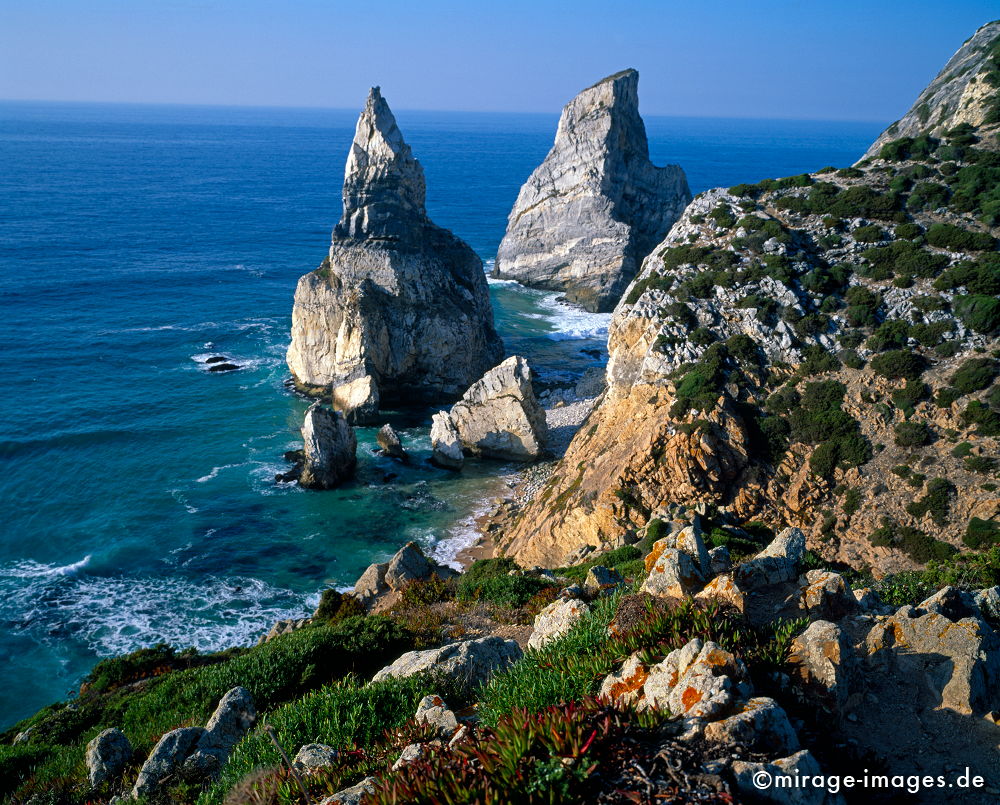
594,208
399,310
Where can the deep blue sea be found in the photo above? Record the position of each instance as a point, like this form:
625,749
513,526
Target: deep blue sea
137,491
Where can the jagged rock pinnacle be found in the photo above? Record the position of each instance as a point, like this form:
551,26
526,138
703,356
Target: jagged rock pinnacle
594,208
384,187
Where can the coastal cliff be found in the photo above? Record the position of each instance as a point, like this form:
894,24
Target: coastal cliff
594,208
964,92
818,351
399,310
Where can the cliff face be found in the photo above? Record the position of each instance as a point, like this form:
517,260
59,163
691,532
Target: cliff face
819,351
400,309
966,91
594,208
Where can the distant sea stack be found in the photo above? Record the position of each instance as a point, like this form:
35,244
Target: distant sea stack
590,213
966,91
400,309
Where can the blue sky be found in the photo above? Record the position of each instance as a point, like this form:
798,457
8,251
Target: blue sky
806,59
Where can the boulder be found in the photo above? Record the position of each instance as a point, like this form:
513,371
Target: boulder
825,663
988,602
469,661
596,206
330,454
389,442
399,311
371,584
759,725
234,716
723,589
779,562
410,753
827,595
951,602
626,685
311,757
958,659
719,560
601,579
407,564
166,760
107,756
499,416
690,541
869,601
556,620
284,627
698,680
357,400
352,795
446,446
748,775
674,574
433,712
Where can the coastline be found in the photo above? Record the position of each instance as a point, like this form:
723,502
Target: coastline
565,412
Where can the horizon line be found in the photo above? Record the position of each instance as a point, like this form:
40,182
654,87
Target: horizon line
356,110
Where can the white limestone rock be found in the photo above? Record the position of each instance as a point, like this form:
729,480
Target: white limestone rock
596,206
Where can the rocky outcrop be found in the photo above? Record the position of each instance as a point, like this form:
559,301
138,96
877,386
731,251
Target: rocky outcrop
469,662
383,581
967,90
107,756
330,454
390,444
499,415
197,754
399,311
596,206
446,445
556,620
759,297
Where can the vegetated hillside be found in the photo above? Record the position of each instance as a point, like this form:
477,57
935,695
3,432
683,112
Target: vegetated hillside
965,91
819,351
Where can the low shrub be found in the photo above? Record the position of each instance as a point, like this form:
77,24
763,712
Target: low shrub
979,313
913,434
936,502
899,365
975,374
955,239
981,533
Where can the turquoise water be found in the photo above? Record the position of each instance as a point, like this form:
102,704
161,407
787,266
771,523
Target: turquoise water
138,496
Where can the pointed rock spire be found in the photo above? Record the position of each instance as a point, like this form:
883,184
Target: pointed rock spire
399,312
590,213
384,187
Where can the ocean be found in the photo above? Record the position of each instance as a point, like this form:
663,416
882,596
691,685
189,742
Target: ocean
138,493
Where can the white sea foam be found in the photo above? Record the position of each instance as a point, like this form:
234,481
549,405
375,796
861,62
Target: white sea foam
572,322
216,470
114,615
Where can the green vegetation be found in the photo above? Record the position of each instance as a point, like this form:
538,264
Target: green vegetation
912,541
913,434
916,148
936,502
817,418
980,314
902,258
975,374
981,533
868,234
490,580
627,560
899,364
957,239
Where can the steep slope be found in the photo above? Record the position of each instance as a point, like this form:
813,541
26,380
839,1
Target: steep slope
594,208
966,91
817,351
400,308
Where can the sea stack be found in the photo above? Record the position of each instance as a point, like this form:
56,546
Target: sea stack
330,449
399,311
590,213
